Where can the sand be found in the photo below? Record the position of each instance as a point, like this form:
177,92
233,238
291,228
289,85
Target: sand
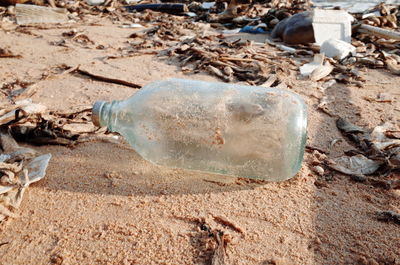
101,203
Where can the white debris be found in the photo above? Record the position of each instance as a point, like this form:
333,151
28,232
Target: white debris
355,165
308,68
95,2
208,5
337,49
331,24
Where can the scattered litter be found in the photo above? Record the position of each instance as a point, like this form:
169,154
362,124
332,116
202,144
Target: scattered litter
377,153
32,14
337,49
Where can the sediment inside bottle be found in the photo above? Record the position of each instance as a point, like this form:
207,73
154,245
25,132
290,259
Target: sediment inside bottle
228,134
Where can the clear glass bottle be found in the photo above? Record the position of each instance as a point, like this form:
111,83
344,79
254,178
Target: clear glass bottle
231,129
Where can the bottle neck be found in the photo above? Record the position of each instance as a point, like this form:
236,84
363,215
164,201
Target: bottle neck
108,115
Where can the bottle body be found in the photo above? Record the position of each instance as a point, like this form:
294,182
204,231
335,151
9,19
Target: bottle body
223,128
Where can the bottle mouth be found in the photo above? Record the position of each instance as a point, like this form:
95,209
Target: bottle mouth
96,110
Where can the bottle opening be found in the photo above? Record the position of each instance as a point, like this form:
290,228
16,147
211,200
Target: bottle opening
96,110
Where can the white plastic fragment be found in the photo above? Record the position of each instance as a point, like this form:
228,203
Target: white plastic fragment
34,108
37,169
130,26
337,49
355,165
380,140
331,24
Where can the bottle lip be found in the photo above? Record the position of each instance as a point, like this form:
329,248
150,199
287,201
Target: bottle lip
98,105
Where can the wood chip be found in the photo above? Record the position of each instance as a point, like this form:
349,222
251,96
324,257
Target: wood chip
226,222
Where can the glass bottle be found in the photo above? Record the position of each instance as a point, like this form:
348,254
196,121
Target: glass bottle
230,129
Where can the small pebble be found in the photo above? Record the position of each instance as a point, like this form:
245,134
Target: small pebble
319,170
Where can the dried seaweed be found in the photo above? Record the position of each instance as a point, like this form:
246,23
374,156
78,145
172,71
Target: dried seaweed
218,257
229,61
377,154
388,216
221,240
226,222
5,53
104,78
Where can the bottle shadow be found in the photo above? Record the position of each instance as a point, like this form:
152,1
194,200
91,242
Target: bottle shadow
346,228
116,169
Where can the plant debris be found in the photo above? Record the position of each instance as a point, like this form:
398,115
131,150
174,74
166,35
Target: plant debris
389,216
218,249
230,60
103,78
5,53
228,223
19,167
378,154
